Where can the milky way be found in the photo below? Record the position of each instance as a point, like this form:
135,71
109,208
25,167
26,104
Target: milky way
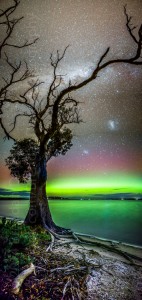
110,138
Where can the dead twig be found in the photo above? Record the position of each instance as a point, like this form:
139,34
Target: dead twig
66,286
61,268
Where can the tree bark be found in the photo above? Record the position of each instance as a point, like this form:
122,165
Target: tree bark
39,211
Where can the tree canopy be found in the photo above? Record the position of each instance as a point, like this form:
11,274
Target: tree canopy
24,153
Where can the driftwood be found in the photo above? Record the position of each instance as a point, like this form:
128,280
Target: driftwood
20,278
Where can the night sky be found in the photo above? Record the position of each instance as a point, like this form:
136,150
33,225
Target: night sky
109,141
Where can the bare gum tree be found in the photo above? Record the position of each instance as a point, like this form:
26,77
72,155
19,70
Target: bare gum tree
49,118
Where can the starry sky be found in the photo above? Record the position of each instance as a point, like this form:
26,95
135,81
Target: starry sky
109,141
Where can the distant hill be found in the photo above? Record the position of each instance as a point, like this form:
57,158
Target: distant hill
8,194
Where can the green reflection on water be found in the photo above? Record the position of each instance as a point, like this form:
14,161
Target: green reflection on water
118,220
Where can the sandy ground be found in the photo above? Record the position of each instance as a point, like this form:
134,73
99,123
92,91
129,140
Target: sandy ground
111,276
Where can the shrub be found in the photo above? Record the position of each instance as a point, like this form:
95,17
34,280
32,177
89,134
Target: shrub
16,239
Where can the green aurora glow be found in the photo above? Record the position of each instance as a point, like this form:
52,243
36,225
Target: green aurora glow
90,185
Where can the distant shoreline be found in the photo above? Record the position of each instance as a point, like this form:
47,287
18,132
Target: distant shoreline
73,199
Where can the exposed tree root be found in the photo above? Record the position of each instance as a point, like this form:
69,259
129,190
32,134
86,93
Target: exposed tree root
111,248
50,247
54,230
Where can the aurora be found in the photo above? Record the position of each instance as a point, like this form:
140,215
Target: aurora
86,185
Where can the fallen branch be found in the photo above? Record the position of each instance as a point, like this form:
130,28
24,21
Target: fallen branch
20,278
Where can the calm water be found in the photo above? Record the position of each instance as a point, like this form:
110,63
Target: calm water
118,220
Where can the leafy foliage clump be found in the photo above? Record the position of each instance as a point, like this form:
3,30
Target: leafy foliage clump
25,153
15,239
60,143
22,157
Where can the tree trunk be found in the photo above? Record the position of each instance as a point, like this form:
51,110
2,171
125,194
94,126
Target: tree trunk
39,211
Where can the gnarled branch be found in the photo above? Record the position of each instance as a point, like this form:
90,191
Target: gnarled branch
129,26
10,24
